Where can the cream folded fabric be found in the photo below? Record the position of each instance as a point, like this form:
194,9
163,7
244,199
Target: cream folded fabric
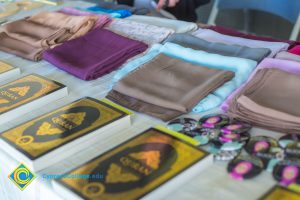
150,34
270,100
171,83
177,25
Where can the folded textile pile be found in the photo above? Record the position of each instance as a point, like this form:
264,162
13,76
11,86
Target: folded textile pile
29,37
147,33
240,66
113,13
295,50
76,25
167,83
284,55
176,25
102,19
271,99
283,64
98,52
232,32
213,36
190,41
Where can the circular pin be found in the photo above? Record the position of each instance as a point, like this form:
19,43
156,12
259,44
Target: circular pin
287,172
260,144
245,167
234,137
214,121
226,155
289,140
237,127
183,125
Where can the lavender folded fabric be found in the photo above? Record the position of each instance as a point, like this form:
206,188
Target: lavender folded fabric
285,65
98,52
270,100
232,32
284,55
170,83
213,36
190,41
102,19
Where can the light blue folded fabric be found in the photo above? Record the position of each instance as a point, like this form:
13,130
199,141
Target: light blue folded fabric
112,15
242,68
96,9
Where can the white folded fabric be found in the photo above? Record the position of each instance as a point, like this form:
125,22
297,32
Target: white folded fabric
177,25
147,33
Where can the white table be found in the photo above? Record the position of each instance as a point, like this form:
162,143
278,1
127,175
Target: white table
212,183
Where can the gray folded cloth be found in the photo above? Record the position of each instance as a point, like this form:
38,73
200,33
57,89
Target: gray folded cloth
270,100
190,41
172,84
114,6
284,55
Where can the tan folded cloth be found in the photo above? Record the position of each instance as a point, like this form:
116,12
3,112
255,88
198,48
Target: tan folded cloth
143,107
171,83
77,25
270,100
29,37
35,34
19,48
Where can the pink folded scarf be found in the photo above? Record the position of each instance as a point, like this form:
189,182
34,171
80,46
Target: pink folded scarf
102,19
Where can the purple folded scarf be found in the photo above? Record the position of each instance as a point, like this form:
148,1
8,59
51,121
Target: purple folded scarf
94,54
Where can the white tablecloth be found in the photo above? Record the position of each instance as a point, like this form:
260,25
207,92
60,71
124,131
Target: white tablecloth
212,183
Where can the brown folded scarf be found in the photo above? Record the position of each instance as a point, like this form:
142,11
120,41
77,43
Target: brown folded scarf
168,83
77,25
37,35
270,100
19,48
29,37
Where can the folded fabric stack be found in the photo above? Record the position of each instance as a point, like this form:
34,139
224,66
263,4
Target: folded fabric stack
213,36
270,99
176,25
144,89
97,53
190,41
146,33
284,55
195,69
29,37
241,67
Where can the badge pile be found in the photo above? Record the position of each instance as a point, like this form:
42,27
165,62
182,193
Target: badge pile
230,140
